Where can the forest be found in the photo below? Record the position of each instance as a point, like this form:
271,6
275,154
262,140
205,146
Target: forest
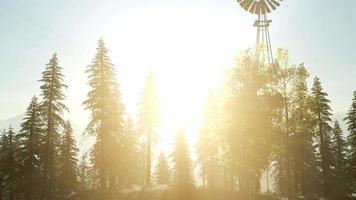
263,119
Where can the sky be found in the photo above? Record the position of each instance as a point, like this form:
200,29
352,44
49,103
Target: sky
186,43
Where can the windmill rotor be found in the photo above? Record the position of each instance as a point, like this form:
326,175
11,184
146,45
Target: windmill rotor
259,7
262,8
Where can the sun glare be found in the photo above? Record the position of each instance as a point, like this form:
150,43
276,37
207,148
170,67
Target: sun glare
187,56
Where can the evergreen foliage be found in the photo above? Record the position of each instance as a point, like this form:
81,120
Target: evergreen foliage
68,171
30,139
339,150
9,165
261,116
182,167
322,112
106,120
162,171
206,145
53,108
351,142
148,120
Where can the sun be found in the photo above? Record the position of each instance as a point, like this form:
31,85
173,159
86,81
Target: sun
181,95
187,55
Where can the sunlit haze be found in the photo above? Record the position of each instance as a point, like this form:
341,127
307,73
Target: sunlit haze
171,99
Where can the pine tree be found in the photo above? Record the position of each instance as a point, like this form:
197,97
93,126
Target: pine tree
248,124
351,142
162,171
52,107
9,165
322,111
148,119
302,124
83,172
68,161
2,161
106,122
206,145
182,167
339,150
30,137
132,163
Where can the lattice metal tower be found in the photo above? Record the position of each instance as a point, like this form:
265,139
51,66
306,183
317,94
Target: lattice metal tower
261,8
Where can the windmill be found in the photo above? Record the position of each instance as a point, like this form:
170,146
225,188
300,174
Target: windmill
261,8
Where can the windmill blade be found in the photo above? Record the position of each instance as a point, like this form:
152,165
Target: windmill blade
276,2
273,4
259,6
245,4
253,7
258,9
264,7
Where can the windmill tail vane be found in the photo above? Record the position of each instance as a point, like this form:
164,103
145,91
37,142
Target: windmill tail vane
261,8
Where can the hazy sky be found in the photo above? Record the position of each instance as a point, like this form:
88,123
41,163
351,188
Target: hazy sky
183,41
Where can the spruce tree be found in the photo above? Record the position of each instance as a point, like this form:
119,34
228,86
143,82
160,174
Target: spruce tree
84,172
132,163
351,142
302,124
52,107
339,150
162,171
68,162
182,167
2,160
248,124
9,165
206,145
30,137
322,111
148,120
106,120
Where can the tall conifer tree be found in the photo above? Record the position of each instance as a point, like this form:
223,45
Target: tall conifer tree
351,142
322,111
302,124
182,167
339,150
106,121
2,160
206,145
53,108
68,161
162,170
9,165
31,135
148,120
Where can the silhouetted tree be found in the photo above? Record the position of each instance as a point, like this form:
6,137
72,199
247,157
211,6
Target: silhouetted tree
162,173
248,124
9,165
2,160
351,142
30,136
322,111
133,162
182,167
207,140
52,107
339,150
68,162
83,172
302,125
285,75
148,120
106,121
